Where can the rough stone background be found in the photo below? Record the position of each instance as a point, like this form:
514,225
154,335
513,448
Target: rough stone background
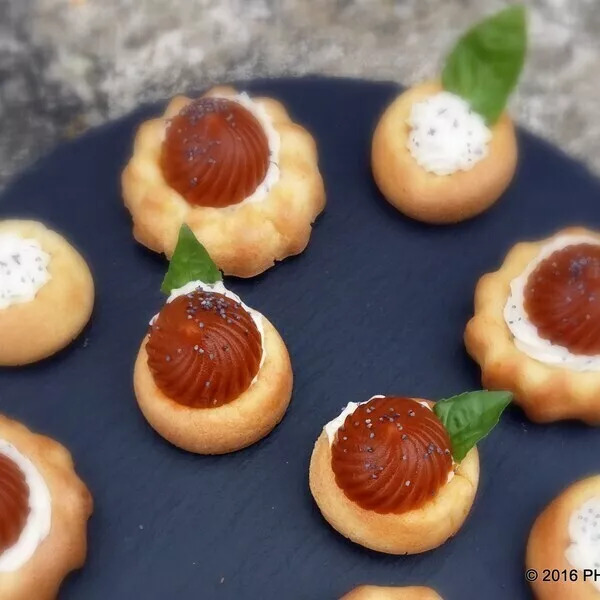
67,65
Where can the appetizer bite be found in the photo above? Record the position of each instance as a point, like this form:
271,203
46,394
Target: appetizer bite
565,539
212,375
46,292
44,509
399,475
375,592
445,151
536,323
236,169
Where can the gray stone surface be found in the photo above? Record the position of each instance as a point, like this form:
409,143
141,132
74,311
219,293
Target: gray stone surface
67,65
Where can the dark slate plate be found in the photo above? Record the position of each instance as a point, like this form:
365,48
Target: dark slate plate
376,304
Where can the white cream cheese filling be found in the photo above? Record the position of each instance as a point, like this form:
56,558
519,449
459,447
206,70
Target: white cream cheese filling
584,534
219,288
446,135
38,523
23,269
525,333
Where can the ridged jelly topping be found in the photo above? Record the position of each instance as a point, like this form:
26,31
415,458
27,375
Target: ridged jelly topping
391,455
215,152
204,349
14,502
562,298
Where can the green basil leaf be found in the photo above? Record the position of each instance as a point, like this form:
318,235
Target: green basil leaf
484,66
190,262
469,417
